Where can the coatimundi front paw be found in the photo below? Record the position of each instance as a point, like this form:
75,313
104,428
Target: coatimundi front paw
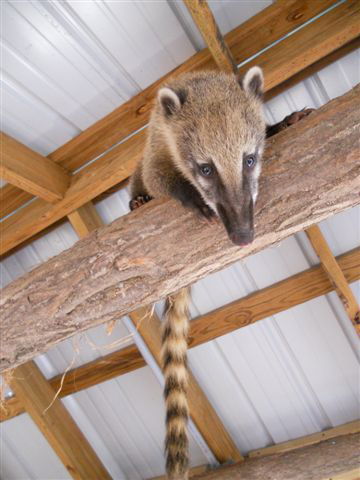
288,121
139,201
297,116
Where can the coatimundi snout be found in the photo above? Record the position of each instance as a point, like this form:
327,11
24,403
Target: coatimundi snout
204,147
205,141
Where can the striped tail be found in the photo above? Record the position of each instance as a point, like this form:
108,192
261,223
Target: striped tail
174,348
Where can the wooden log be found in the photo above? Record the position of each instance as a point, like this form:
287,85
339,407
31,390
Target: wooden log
56,424
281,296
337,458
308,175
244,41
291,445
85,220
30,171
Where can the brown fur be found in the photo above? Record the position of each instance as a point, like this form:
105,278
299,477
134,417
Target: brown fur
204,118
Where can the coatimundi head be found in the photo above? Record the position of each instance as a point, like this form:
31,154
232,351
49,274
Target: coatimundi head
214,126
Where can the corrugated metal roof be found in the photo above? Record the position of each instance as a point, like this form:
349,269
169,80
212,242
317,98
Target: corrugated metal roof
67,64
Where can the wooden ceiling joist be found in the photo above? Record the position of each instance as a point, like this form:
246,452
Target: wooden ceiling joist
136,273
288,293
85,219
205,21
335,274
38,175
332,31
57,425
312,439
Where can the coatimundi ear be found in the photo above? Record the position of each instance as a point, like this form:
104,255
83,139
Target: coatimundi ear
253,82
171,100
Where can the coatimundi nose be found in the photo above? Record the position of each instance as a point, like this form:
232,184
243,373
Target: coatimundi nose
242,238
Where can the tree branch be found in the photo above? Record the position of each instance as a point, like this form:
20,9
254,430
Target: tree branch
311,171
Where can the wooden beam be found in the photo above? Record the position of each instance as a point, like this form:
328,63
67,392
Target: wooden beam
12,198
35,394
317,40
314,68
56,423
269,301
313,439
85,219
111,272
30,171
335,274
92,373
205,21
333,30
201,411
281,296
113,168
274,22
336,458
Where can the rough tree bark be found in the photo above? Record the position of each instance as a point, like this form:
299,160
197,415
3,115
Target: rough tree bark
325,460
311,171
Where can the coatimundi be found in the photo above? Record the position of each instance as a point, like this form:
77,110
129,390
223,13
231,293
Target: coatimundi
205,141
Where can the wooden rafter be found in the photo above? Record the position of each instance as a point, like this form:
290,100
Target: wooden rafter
335,274
35,394
135,274
28,170
288,293
57,425
84,221
313,439
335,29
41,176
205,21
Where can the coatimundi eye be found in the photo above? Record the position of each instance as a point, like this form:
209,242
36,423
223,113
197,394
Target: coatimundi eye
250,160
206,169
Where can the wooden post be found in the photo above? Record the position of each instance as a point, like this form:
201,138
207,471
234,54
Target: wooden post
56,423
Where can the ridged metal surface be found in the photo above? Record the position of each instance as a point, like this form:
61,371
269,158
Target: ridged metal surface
67,64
